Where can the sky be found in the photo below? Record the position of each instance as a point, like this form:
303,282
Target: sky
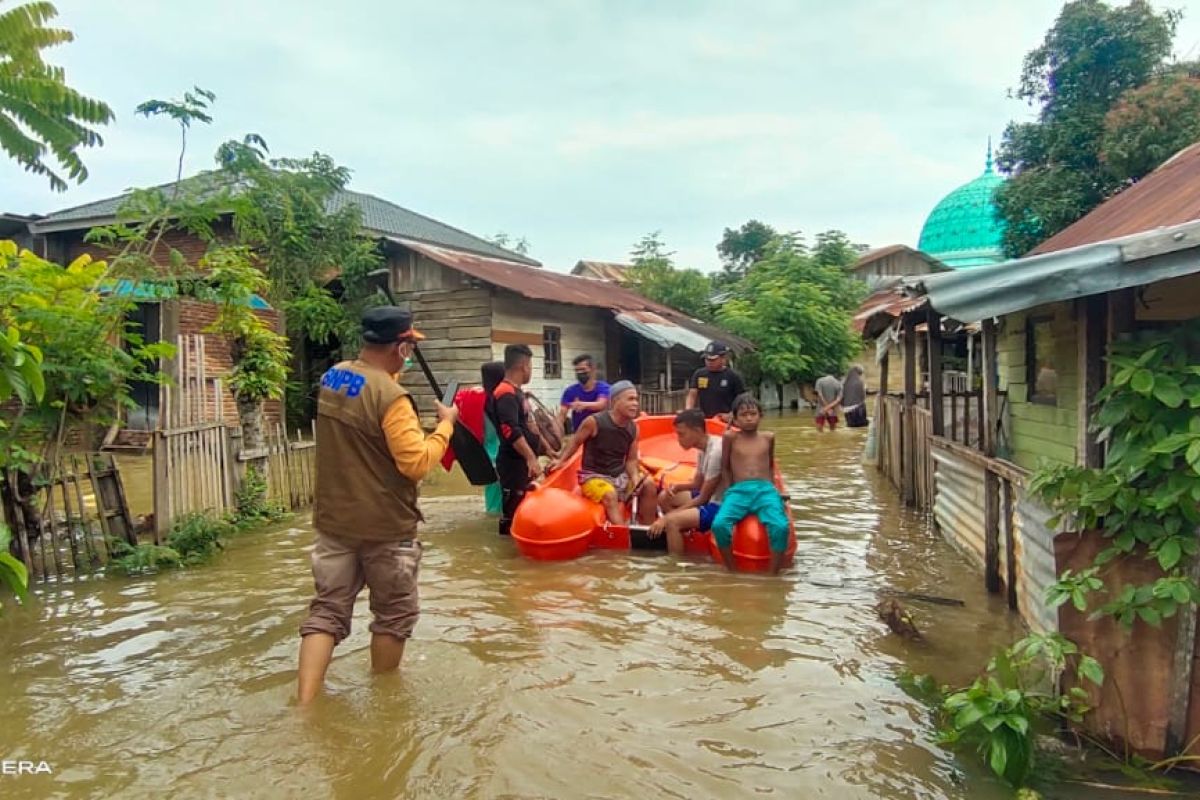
581,125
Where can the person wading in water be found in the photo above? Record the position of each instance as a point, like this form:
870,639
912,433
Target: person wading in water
516,462
610,474
371,456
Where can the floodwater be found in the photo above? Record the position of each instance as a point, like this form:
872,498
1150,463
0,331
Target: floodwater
610,676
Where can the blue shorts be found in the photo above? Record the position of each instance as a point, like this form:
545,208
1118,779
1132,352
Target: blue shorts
708,512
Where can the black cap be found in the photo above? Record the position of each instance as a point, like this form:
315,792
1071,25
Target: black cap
387,324
715,349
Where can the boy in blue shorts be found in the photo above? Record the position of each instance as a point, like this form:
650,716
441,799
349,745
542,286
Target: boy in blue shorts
691,506
748,466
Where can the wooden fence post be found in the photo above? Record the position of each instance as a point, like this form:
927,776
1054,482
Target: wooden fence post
1182,666
937,406
1093,334
907,462
162,488
991,482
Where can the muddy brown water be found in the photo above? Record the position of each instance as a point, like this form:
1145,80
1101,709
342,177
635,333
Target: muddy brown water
610,676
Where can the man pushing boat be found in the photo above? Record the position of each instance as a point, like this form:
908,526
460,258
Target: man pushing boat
610,473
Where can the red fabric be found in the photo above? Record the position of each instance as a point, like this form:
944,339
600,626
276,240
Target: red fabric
470,413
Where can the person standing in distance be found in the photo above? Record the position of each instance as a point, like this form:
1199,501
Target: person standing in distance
714,386
587,396
371,456
516,462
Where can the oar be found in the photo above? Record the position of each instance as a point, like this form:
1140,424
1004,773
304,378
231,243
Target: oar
468,450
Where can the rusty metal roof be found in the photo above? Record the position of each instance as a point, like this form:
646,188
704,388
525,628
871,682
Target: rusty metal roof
1168,196
877,312
555,287
604,270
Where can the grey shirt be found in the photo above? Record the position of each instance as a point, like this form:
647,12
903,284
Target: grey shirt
828,388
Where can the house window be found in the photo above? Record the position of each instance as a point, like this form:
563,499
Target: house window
1040,375
552,352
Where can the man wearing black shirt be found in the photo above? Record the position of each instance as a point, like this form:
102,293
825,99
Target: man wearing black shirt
516,461
714,385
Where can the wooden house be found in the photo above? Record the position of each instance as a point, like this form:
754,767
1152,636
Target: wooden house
1045,323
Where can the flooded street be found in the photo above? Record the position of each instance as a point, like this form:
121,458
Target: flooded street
610,676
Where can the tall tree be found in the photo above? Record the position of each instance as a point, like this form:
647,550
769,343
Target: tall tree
796,306
1152,123
744,246
42,119
1088,59
654,274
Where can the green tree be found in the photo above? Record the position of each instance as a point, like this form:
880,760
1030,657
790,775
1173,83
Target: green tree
741,248
654,275
796,308
1152,123
1092,55
41,117
834,249
311,249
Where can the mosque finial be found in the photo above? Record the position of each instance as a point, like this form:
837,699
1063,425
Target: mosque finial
988,169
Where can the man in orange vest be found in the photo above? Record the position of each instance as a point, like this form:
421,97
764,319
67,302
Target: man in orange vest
371,455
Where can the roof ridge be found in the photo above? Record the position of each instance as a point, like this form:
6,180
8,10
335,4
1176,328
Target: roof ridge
525,259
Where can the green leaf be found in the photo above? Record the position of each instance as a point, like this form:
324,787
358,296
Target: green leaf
1150,615
1142,382
997,755
1168,392
1018,723
1169,553
14,575
968,716
1090,669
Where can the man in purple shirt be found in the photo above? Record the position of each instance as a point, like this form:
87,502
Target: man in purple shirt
586,397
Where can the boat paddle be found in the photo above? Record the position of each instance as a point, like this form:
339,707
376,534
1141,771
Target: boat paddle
468,450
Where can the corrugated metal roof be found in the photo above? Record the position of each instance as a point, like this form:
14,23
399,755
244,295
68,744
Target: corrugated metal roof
877,312
1168,196
1122,263
555,287
604,270
662,332
378,217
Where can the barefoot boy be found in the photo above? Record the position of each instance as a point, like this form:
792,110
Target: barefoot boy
748,465
691,506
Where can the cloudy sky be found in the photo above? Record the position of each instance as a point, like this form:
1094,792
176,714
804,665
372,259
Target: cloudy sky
578,124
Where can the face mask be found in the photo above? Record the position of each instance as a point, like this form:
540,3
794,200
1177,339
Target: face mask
582,377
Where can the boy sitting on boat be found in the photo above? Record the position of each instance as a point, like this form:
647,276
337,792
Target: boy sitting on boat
610,473
748,466
691,506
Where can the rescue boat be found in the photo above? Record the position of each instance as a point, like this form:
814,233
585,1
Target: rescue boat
556,523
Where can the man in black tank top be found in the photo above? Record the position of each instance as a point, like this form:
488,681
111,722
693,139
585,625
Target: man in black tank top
610,474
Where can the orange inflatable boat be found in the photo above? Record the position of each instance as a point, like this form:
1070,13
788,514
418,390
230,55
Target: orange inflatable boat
555,522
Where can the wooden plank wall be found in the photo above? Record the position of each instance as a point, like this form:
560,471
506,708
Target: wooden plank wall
457,324
1041,431
582,331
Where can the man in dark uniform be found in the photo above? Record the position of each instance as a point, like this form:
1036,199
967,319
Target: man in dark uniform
713,386
516,461
371,458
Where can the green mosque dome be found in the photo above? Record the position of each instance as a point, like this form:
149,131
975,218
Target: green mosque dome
964,230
